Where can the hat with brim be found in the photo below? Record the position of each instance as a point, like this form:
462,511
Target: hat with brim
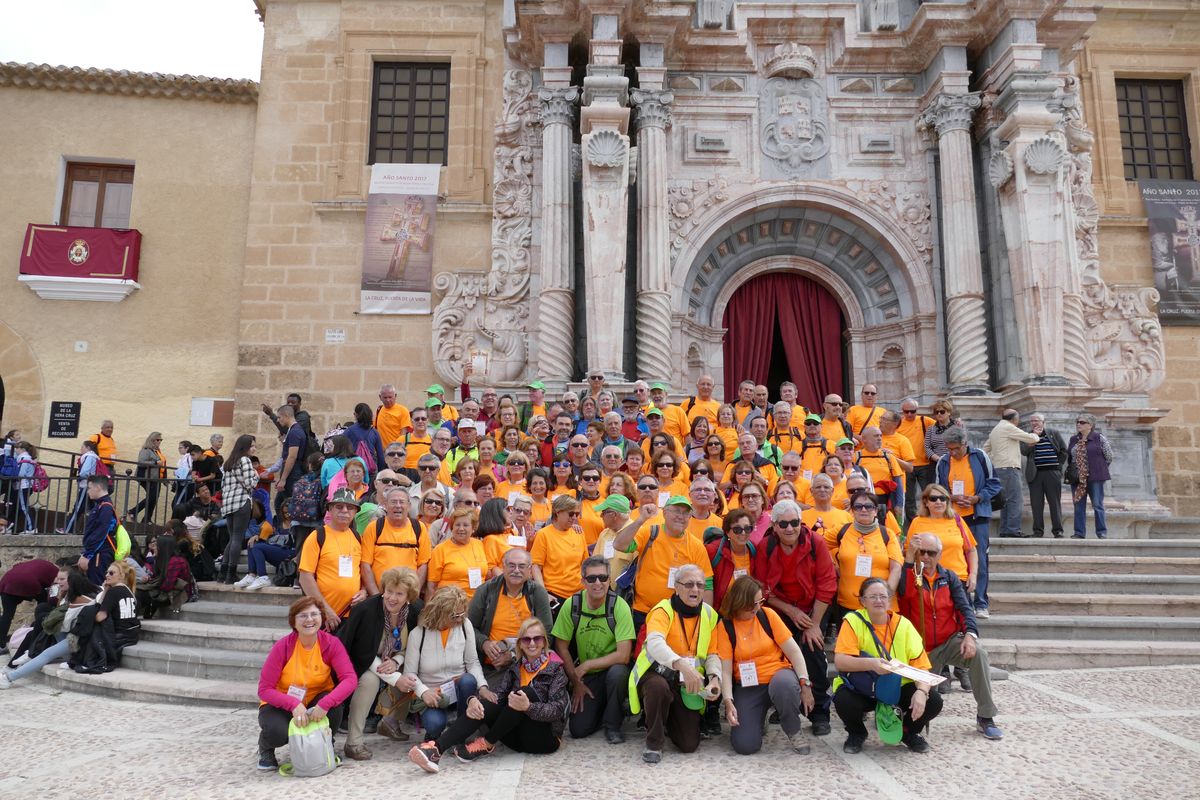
678,500
614,502
888,724
843,442
654,412
433,402
435,389
629,399
659,385
345,497
537,385
812,418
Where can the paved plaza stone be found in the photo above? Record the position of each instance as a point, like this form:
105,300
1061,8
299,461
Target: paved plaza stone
1082,734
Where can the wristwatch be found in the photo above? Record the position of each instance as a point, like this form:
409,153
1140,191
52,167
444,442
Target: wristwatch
805,682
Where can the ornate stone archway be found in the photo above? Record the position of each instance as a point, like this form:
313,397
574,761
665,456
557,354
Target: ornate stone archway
882,283
24,392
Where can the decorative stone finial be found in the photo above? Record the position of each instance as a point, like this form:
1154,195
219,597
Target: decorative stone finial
791,60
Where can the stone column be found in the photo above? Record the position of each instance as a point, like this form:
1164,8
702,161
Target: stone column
653,117
950,116
556,303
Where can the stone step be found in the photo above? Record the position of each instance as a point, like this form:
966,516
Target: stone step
1157,548
238,614
175,631
209,663
1074,583
269,595
1074,627
134,684
1176,528
1078,654
1001,561
1099,604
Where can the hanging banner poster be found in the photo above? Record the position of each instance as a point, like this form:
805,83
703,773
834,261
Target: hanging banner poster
397,270
1173,210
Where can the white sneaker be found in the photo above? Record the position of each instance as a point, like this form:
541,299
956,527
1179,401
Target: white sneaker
246,581
5,683
982,613
260,582
21,659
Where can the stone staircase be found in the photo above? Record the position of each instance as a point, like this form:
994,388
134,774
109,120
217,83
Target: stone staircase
1056,603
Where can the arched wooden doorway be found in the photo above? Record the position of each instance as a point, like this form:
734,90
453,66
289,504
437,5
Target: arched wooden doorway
784,326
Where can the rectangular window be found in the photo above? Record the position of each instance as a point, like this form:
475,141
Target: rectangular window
410,113
1154,136
97,195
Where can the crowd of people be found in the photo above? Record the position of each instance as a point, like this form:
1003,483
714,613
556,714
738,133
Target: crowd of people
506,570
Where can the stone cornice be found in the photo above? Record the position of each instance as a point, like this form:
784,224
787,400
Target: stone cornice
122,82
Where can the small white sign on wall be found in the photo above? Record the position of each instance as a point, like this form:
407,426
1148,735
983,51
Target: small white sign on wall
335,336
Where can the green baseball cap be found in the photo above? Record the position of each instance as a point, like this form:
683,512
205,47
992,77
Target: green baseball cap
433,402
435,388
615,502
660,385
654,411
537,385
812,418
844,441
678,500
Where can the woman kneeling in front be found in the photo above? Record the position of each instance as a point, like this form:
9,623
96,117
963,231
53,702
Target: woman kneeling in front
870,636
529,712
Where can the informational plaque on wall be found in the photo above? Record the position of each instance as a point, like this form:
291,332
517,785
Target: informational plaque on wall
64,420
1173,210
397,270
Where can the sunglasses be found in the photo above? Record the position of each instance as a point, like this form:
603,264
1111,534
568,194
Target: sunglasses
400,454
589,478
420,419
579,444
870,394
649,487
863,507
927,552
469,503
574,514
702,472
1082,422
741,529
595,578
910,411
790,469
428,468
539,639
432,502
788,523
389,481
562,463
937,498
666,464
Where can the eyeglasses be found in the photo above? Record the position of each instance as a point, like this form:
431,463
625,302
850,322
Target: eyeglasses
539,639
690,584
937,498
786,468
863,507
751,496
429,468
928,552
937,411
516,567
469,503
758,601
741,529
788,523
595,578
611,456
419,419
875,598
458,615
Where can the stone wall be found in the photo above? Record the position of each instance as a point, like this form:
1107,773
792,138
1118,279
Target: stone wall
174,339
1145,40
304,242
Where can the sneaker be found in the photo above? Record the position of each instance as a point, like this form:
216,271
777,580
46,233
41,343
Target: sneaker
5,683
854,744
820,727
915,742
799,745
60,530
988,728
267,760
358,752
964,678
33,532
982,613
22,659
262,581
245,581
473,751
425,756
389,727
652,756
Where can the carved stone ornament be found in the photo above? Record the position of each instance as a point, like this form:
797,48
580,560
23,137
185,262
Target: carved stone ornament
686,202
794,123
712,14
558,105
1044,156
606,149
951,112
1000,168
908,204
652,109
488,311
790,60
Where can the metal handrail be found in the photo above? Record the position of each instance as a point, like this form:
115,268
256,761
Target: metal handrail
50,510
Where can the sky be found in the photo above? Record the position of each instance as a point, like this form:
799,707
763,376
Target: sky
213,38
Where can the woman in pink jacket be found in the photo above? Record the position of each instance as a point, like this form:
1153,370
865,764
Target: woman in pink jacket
307,676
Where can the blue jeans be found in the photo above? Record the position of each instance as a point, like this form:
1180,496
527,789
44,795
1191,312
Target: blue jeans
434,720
260,553
60,649
979,529
1011,481
23,509
82,503
1095,490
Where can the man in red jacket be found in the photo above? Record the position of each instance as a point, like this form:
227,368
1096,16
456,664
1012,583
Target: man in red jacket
935,601
798,579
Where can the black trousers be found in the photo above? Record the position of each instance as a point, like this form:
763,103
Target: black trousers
1046,485
852,707
273,724
513,728
8,609
609,688
818,672
149,504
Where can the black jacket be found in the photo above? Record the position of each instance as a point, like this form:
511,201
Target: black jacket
482,610
363,630
1060,451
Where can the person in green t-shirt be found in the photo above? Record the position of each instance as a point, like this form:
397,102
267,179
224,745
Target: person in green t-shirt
594,636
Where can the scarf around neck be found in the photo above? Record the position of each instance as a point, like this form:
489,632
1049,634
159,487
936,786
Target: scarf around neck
683,609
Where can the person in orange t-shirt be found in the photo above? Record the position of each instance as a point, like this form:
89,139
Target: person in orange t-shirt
459,560
559,550
862,416
392,420
761,667
660,560
331,571
702,403
397,540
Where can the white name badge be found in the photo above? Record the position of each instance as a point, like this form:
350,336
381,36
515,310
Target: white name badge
345,567
807,474
663,497
737,573
481,428
957,487
297,692
862,567
474,578
748,671
517,541
512,497
449,695
609,549
671,577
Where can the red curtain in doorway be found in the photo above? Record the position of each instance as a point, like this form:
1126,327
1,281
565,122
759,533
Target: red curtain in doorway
810,327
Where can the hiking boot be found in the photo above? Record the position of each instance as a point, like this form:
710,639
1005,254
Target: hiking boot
358,752
474,751
267,760
390,727
915,742
854,743
425,756
944,686
372,724
964,678
652,756
613,736
820,727
987,727
799,745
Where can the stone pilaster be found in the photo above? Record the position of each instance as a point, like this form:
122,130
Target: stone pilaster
556,304
653,117
949,115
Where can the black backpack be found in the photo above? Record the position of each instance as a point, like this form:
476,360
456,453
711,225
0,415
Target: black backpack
416,526
610,616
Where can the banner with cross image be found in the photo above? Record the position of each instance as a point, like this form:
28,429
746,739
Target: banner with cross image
397,269
1173,211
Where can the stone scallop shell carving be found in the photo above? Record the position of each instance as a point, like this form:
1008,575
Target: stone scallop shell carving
1044,156
1000,168
606,149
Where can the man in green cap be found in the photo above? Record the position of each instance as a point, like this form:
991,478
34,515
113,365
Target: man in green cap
436,392
815,447
675,421
535,405
330,562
